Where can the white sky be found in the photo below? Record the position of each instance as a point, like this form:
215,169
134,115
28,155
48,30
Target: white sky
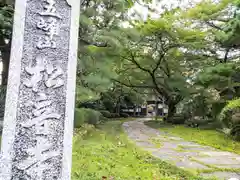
158,4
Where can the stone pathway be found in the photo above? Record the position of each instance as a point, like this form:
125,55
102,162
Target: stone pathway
184,154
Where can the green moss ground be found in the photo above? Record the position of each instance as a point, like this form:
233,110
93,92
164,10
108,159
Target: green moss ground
211,138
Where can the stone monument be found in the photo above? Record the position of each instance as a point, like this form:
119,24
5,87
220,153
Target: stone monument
38,122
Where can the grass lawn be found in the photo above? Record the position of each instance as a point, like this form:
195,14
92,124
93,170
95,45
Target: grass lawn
106,151
205,137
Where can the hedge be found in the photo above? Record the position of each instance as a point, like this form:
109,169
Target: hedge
83,115
230,117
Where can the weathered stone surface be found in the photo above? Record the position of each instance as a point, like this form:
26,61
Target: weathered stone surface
194,148
217,160
222,175
145,144
165,157
187,164
219,153
228,166
175,138
36,141
169,145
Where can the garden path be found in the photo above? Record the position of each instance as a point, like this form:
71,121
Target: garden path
207,161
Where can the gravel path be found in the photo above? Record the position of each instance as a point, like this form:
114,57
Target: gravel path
184,154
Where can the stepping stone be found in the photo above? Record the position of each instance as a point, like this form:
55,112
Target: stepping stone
169,145
194,148
190,165
222,175
186,143
151,149
145,144
228,166
175,138
165,157
188,154
219,161
215,153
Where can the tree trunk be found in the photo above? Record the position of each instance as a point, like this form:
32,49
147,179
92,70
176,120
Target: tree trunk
5,55
134,112
118,108
5,67
171,111
156,110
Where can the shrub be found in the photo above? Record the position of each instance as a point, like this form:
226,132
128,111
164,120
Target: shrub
83,115
124,115
197,121
178,119
115,115
106,114
92,116
217,108
78,118
230,117
235,132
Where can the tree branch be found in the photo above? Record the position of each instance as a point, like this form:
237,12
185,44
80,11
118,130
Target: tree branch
138,65
213,25
98,44
133,86
226,55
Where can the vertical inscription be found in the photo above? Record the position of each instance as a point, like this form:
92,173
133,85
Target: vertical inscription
42,77
48,22
42,97
37,134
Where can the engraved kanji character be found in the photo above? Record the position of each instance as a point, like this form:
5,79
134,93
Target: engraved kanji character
53,78
36,74
43,129
49,26
69,2
46,42
50,9
33,164
41,112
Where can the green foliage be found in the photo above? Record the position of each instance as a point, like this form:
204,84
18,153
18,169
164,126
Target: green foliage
215,75
217,109
92,117
230,116
235,132
228,111
6,20
232,104
115,115
198,104
86,116
106,114
124,115
109,115
79,118
99,38
178,119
